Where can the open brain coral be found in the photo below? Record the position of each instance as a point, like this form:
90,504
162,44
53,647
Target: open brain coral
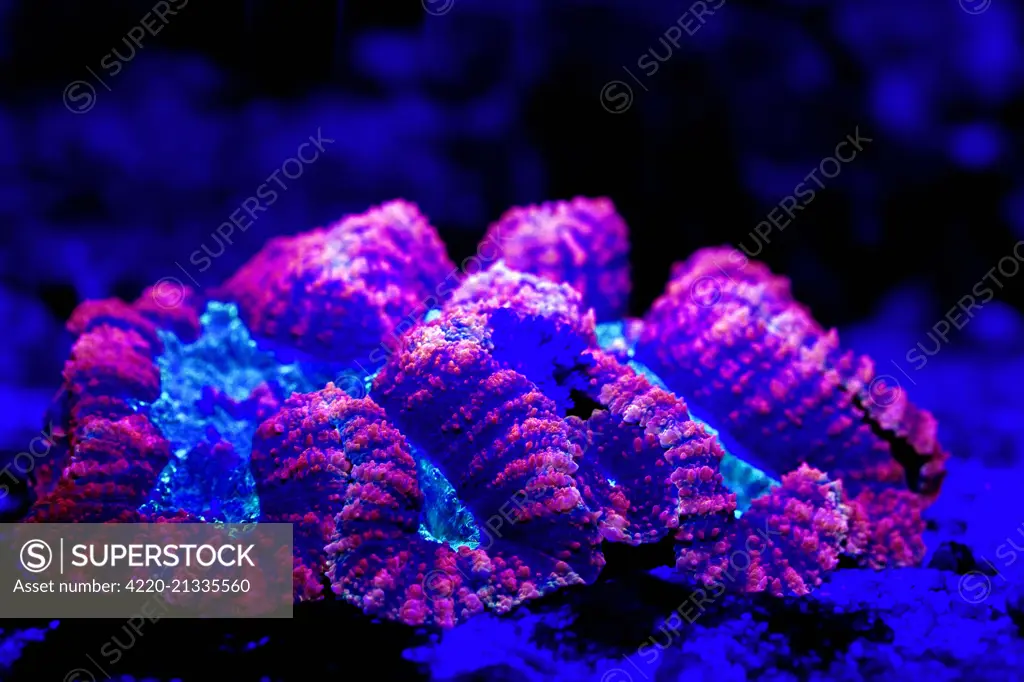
337,292
728,335
582,242
110,454
497,435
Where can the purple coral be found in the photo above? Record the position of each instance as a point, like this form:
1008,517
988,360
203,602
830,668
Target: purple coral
301,461
645,464
462,485
110,456
500,442
728,335
786,542
582,242
665,466
666,469
536,327
337,292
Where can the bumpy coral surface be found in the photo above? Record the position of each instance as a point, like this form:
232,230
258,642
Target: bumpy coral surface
646,465
492,446
529,324
583,242
790,538
110,455
665,467
302,463
509,457
728,335
337,292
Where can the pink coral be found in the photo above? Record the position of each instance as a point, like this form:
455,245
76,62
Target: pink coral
336,293
728,334
582,242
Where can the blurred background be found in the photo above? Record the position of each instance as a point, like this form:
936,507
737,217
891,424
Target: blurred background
130,131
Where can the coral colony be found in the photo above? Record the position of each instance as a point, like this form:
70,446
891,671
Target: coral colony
449,441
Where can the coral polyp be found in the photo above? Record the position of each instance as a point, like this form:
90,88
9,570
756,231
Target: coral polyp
336,293
508,454
583,242
110,454
496,439
302,462
728,335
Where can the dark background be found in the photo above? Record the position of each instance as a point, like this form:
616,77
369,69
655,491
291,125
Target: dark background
494,104
468,107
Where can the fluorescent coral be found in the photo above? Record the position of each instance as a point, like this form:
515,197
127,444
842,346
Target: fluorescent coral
337,292
728,335
213,393
582,242
301,465
111,454
494,445
509,457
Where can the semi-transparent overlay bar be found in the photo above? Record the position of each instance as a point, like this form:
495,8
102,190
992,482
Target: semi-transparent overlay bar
153,570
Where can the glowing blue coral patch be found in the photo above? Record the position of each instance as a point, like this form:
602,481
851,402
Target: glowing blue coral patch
208,413
444,518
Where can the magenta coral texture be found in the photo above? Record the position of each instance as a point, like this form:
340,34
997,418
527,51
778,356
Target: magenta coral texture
666,467
728,335
504,438
646,467
337,292
502,444
539,328
109,455
301,469
787,541
582,242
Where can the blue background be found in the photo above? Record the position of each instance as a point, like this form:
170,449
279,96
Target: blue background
473,106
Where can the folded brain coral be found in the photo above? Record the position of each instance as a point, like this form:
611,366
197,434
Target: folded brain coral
531,325
665,466
583,242
647,466
510,460
508,435
335,293
110,454
214,392
158,422
301,466
728,335
788,539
